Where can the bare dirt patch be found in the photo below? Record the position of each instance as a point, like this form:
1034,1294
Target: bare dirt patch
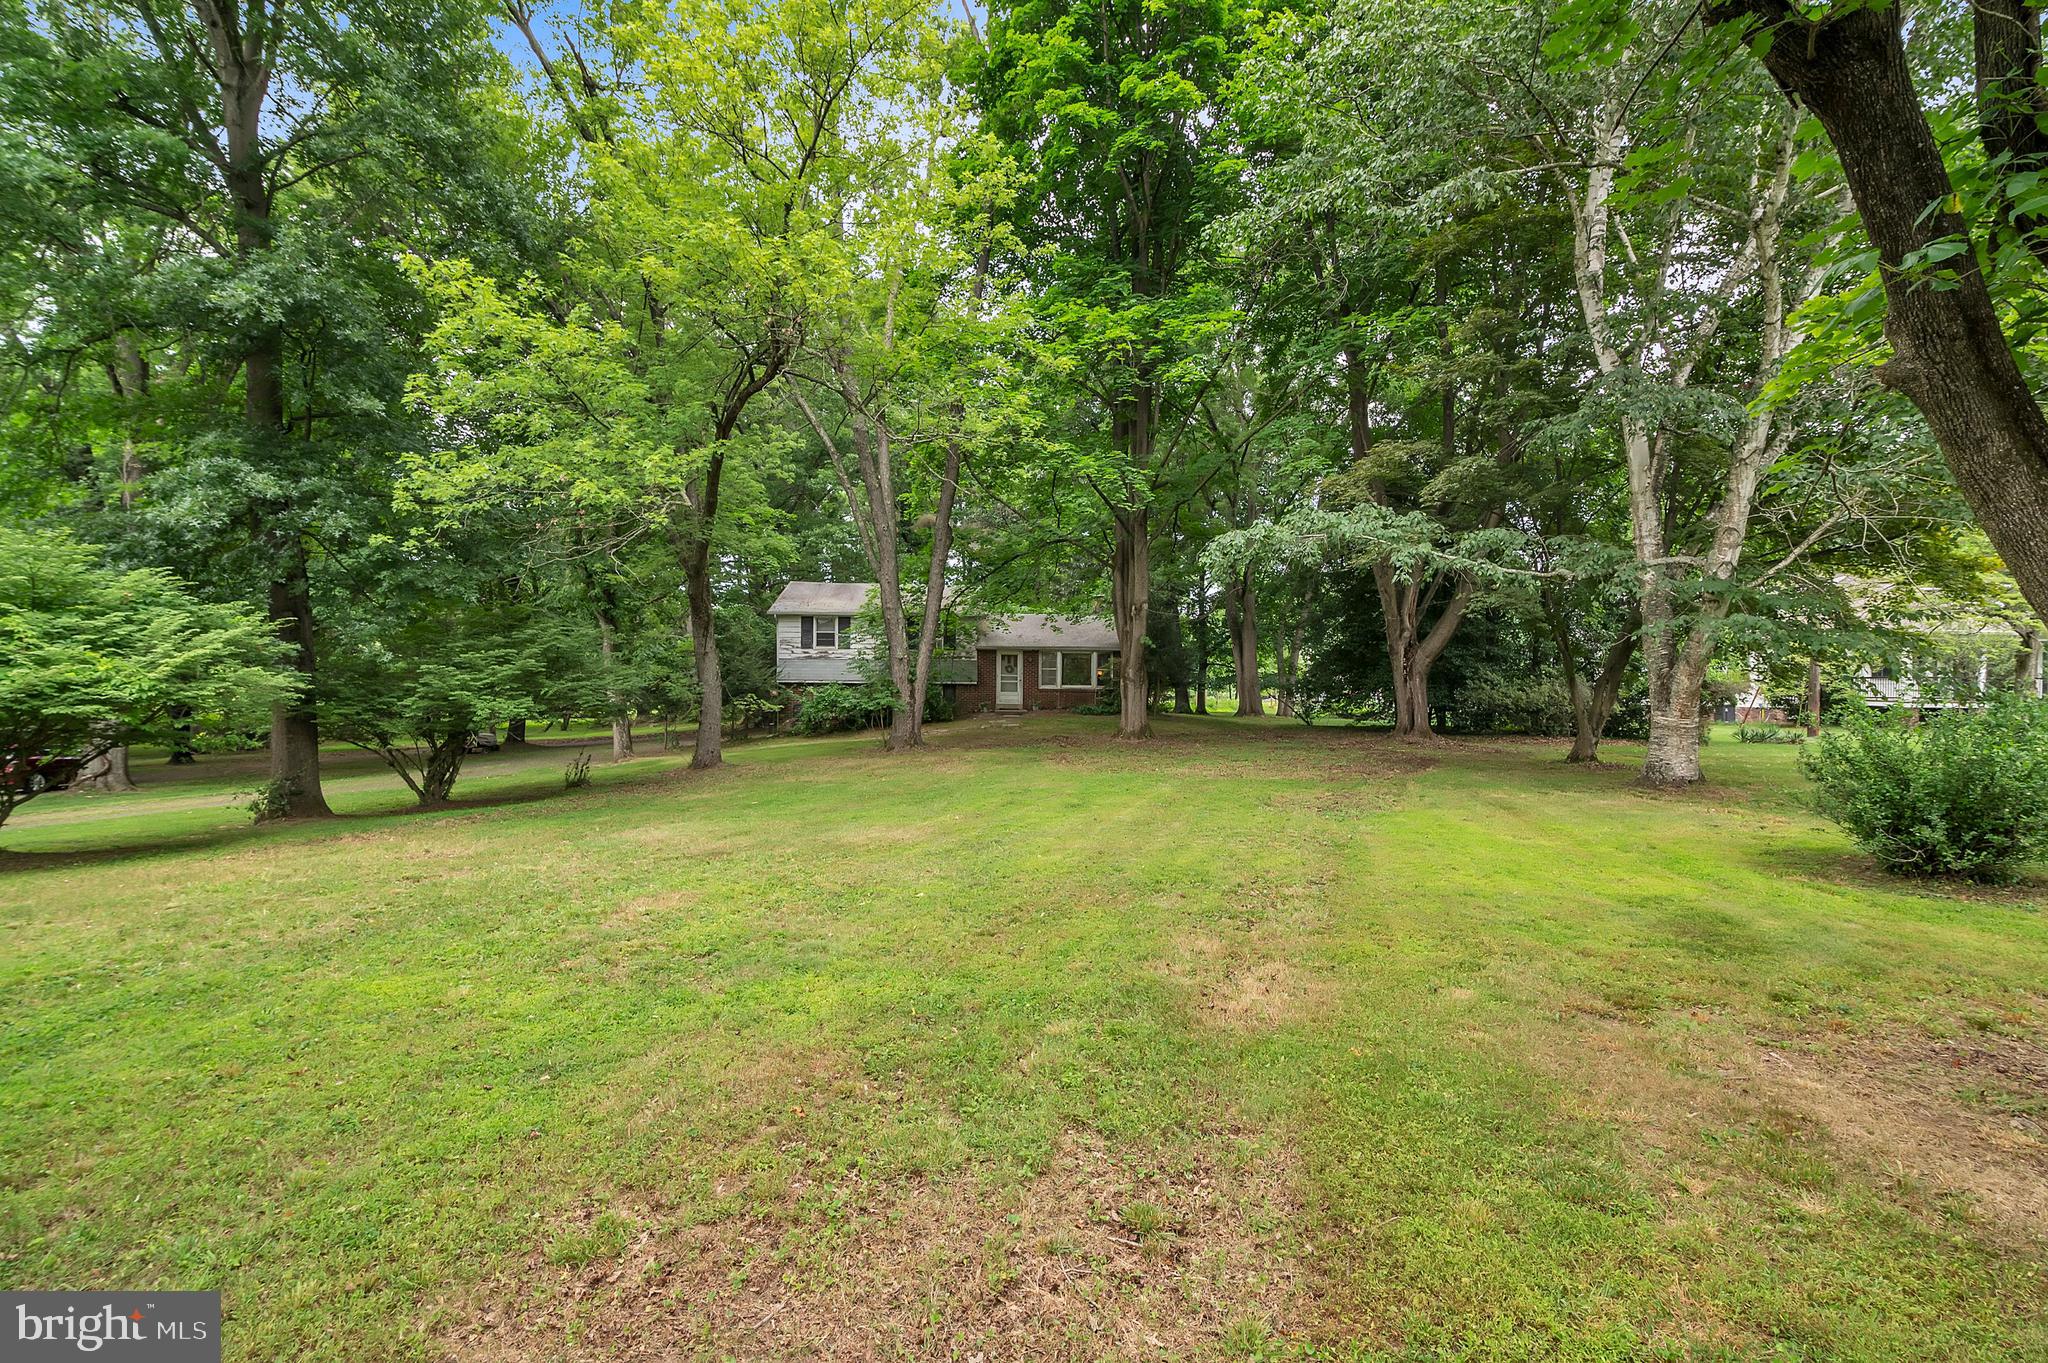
646,906
1336,801
1969,1114
1105,1253
1964,1115
1264,995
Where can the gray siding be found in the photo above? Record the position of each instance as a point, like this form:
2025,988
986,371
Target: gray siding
795,663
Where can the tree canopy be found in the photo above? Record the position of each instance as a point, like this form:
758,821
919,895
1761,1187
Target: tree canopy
1441,367
92,657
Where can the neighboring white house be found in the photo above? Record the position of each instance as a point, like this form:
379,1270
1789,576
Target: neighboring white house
1967,649
1017,662
1966,653
813,625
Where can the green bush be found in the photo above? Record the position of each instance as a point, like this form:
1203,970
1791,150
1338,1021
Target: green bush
1765,733
743,714
1964,795
1108,701
835,709
1494,703
270,801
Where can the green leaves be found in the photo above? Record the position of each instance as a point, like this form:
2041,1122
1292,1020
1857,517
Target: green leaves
92,657
1965,795
1596,31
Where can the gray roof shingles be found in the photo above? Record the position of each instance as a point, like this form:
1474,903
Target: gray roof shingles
1010,631
822,598
1047,631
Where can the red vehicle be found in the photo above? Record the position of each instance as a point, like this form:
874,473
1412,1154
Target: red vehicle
40,772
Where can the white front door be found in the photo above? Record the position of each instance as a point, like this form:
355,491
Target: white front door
1009,681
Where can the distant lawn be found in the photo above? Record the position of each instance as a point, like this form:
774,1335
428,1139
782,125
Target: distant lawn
1256,1041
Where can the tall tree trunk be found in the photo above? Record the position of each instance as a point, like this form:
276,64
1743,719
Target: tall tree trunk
1131,582
1232,623
1287,650
1676,651
621,710
241,64
295,723
1592,702
870,491
935,588
2031,680
107,772
942,544
1411,653
515,731
1952,359
1244,646
1182,701
881,527
130,371
904,732
1678,678
181,740
878,476
1813,698
709,750
1201,642
617,702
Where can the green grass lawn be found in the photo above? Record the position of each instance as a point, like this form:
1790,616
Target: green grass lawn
1253,1041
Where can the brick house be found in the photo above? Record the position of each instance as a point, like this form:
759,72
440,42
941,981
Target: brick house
1017,663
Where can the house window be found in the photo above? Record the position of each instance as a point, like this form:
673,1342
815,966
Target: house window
1076,670
824,631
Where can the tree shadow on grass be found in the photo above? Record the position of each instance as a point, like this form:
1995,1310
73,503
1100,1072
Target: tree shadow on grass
13,861
1855,871
349,823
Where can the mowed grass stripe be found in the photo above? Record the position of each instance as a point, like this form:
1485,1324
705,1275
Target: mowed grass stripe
1458,1017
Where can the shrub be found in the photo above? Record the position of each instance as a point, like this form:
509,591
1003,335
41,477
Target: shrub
1766,733
270,801
1108,701
577,774
743,714
835,709
1964,795
1492,703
